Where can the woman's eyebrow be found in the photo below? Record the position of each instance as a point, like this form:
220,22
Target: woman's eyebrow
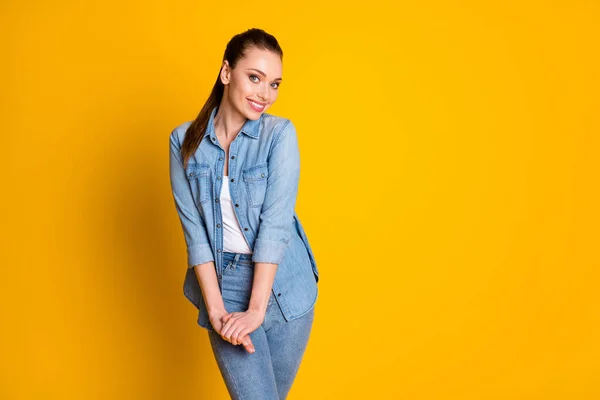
263,74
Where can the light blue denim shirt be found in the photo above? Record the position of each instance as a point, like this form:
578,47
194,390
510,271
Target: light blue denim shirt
263,171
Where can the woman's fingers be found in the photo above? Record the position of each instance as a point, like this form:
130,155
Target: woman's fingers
226,317
236,334
248,345
228,330
225,329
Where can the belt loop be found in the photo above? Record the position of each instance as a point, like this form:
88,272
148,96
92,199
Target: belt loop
236,259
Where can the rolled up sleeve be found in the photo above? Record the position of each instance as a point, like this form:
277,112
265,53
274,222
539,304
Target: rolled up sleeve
194,230
277,213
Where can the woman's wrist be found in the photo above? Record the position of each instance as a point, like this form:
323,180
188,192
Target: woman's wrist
258,309
216,311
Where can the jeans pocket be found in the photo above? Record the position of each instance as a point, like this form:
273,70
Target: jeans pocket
237,282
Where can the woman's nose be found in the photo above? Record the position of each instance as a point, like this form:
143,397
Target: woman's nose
263,94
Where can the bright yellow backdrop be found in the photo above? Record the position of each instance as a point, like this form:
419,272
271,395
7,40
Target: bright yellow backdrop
449,189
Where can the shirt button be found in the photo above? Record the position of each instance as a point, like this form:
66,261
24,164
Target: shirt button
245,229
232,180
220,158
218,177
218,225
237,205
216,200
232,157
262,175
218,250
278,294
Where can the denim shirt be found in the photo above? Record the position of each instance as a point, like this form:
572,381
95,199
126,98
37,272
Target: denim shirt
263,171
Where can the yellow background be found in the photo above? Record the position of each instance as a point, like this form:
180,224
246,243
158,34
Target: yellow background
449,189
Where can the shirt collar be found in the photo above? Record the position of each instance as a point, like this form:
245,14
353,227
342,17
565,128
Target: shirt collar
251,127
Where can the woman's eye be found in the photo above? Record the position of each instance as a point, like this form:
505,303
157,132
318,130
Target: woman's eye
258,79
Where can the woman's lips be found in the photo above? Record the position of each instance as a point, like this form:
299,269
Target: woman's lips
256,106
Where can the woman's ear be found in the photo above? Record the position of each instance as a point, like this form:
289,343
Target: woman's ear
225,72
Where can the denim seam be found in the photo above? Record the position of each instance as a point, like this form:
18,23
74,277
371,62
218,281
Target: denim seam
235,387
306,312
275,141
313,303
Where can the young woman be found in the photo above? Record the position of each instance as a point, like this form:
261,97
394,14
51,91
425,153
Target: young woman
251,273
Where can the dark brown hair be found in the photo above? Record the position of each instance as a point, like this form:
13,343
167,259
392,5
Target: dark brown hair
237,48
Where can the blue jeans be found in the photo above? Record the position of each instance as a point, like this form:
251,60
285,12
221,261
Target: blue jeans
268,373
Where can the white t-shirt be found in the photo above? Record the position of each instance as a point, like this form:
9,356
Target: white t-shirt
233,238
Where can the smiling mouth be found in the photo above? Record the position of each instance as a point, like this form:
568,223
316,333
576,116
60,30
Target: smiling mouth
256,106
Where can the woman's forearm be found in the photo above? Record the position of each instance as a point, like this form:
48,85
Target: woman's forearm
207,277
264,274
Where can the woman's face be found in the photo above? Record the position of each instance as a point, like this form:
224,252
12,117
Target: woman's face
252,86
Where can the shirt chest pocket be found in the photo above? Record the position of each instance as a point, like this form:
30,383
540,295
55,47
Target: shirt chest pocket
199,178
255,181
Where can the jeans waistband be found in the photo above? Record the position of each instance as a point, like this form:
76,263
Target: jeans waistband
238,258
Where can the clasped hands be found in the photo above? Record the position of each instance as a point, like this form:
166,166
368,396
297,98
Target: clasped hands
235,327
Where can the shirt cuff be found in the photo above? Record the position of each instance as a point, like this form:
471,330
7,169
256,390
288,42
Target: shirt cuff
267,251
199,254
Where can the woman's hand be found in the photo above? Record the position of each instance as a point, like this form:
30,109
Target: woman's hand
218,321
238,325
